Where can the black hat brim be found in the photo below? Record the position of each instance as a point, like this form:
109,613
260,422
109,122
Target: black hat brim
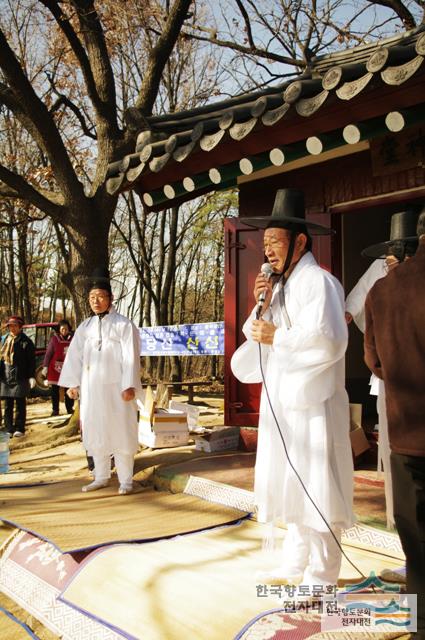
380,250
284,222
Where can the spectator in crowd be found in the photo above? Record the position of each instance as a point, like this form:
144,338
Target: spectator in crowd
53,363
17,375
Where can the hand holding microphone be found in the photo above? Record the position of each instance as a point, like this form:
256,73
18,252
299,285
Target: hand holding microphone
263,288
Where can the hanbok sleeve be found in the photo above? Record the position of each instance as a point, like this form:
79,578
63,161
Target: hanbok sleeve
355,301
245,362
309,351
130,346
72,369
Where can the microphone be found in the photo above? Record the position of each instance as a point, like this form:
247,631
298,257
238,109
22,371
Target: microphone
266,270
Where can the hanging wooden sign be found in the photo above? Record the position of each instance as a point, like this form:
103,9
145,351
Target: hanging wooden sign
396,152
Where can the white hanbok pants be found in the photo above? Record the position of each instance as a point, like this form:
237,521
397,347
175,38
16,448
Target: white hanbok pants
124,464
312,554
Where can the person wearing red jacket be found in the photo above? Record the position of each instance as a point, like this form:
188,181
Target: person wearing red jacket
53,363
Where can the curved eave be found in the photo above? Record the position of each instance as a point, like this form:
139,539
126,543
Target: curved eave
171,166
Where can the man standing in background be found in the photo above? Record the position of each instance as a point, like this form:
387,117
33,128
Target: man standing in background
17,375
102,367
395,351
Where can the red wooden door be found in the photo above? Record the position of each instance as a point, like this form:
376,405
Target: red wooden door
243,259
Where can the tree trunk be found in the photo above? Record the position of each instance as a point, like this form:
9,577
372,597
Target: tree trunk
13,301
24,272
88,248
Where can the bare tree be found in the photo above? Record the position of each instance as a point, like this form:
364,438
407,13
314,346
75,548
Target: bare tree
77,200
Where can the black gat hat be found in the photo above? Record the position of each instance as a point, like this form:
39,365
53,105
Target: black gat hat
403,231
288,213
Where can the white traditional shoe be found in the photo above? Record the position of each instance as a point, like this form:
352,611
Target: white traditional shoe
125,489
18,434
96,484
277,576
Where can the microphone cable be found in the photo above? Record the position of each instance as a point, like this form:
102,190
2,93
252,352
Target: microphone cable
296,472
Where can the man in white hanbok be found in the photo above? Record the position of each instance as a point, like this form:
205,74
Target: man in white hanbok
102,367
302,337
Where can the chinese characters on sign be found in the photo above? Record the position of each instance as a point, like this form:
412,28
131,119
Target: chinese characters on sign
394,153
202,339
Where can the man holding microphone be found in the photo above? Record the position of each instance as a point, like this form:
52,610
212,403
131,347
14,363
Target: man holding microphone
296,347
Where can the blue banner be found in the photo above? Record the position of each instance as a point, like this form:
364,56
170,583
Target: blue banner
202,339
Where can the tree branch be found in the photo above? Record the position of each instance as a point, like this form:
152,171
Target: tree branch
21,98
14,186
400,10
247,23
100,67
159,55
62,246
64,100
268,55
64,24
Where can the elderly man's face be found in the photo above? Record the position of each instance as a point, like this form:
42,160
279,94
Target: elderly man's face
99,300
276,246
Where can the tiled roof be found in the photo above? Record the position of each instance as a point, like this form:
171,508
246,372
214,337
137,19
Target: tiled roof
169,144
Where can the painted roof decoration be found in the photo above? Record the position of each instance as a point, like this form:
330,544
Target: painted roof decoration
181,155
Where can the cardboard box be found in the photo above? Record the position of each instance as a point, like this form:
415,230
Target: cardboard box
163,428
191,411
218,439
359,442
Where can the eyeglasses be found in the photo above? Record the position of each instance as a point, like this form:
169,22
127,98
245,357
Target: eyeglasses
99,298
274,244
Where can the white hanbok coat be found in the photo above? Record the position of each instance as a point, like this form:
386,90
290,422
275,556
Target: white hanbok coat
356,299
304,374
109,424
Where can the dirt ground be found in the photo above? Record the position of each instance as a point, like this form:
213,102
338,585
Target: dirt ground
51,449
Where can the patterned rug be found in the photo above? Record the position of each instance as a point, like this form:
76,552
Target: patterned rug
359,536
164,590
33,573
73,521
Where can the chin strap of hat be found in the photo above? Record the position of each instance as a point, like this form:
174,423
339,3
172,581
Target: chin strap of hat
290,253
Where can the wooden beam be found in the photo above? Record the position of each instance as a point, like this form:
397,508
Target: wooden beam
175,192
305,161
254,163
379,200
224,173
172,191
196,182
114,184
